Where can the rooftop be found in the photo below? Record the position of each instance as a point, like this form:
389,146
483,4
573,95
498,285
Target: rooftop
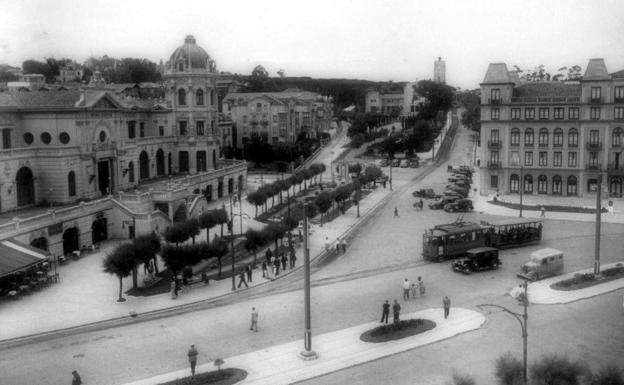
540,89
497,73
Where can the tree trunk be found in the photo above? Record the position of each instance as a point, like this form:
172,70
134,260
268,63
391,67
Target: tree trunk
221,230
135,278
208,234
155,264
256,211
193,238
121,299
219,264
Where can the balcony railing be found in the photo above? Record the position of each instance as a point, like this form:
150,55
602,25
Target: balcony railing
618,100
546,99
543,145
494,144
494,165
494,102
616,144
593,166
594,145
597,100
615,167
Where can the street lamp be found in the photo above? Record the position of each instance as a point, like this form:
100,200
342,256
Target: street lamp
522,319
331,166
232,244
521,187
306,354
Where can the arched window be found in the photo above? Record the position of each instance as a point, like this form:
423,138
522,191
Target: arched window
181,97
160,162
71,183
571,188
201,160
573,137
529,137
131,172
143,166
199,97
515,137
558,137
230,186
181,67
212,97
616,139
514,183
556,185
543,137
542,184
25,187
528,184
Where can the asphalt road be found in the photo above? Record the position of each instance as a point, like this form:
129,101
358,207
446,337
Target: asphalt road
348,291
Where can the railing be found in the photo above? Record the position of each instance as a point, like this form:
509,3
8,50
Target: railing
494,165
494,144
598,100
593,166
615,167
594,145
616,144
618,100
547,99
494,102
543,145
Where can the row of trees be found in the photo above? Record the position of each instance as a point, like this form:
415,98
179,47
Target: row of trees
260,151
471,101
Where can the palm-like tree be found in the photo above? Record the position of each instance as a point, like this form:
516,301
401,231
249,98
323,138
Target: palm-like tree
120,262
207,221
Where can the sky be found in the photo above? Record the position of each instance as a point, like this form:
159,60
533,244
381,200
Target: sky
365,39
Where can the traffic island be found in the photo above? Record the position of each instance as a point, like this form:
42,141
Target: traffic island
218,377
397,331
582,281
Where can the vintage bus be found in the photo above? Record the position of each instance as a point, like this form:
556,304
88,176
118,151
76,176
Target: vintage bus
513,232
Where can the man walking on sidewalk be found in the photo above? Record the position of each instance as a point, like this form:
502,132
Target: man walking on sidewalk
192,357
447,306
385,312
241,278
344,246
265,271
406,289
249,273
396,310
76,380
254,319
293,258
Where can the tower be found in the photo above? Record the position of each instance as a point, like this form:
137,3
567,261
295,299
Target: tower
439,71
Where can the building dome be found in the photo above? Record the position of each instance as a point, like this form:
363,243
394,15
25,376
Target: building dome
190,56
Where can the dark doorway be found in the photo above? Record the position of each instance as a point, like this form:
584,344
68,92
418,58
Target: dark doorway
214,159
183,161
240,184
40,243
143,166
25,187
160,162
99,230
234,136
201,160
208,192
230,186
169,164
71,240
220,189
104,177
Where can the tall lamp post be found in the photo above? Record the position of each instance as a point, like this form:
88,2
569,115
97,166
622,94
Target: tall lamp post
307,353
522,319
598,219
521,187
232,244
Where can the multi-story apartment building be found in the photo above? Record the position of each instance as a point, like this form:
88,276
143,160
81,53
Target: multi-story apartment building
550,137
278,116
388,104
132,162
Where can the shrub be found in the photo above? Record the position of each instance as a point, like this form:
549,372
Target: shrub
608,375
556,369
393,327
463,379
509,370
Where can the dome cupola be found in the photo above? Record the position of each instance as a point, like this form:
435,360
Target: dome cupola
189,57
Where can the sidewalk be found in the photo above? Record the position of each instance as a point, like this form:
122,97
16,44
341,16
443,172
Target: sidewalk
337,350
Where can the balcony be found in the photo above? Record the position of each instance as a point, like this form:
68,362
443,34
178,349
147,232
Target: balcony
493,165
546,99
594,146
618,100
543,145
593,166
494,144
615,167
597,100
494,102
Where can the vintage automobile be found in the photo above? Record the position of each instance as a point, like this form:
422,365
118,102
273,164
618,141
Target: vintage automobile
444,200
453,193
427,193
462,190
459,179
478,259
460,205
544,263
414,163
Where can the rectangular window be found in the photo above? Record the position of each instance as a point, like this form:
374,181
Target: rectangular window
594,137
493,181
529,113
182,128
200,127
528,158
161,130
557,159
571,159
573,113
514,159
528,137
559,113
6,138
596,94
619,94
515,137
618,113
131,129
593,160
515,114
495,114
544,113
495,93
595,113
543,159
494,157
494,136
543,138
142,129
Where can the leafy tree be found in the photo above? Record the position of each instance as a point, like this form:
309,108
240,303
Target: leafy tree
37,67
218,249
192,228
556,370
343,193
181,214
120,262
257,198
438,97
253,240
323,201
281,166
390,146
177,233
207,221
355,168
275,231
608,375
317,169
221,217
372,173
509,370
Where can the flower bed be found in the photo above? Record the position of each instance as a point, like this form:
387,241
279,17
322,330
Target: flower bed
580,281
217,377
396,331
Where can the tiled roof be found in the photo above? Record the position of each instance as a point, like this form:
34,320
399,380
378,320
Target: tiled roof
43,99
537,89
618,75
284,96
596,70
497,73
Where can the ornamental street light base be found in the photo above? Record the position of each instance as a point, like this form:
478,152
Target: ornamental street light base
308,355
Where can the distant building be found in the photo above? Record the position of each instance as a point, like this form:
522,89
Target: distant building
439,71
29,82
70,72
552,138
403,103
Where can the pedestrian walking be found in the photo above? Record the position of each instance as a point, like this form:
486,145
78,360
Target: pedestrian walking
406,289
241,278
447,306
192,357
344,245
293,258
268,254
338,244
542,212
76,380
396,310
174,289
276,266
249,273
284,261
265,272
326,244
385,312
254,320
414,291
396,212
421,286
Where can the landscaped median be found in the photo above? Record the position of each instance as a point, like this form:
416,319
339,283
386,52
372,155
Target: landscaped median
577,285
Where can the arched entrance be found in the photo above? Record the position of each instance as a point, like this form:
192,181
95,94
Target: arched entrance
169,170
40,243
143,166
99,230
183,161
220,188
230,186
25,187
240,183
71,240
160,162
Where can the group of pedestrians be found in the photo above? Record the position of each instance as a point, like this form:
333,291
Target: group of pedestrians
413,289
245,276
277,262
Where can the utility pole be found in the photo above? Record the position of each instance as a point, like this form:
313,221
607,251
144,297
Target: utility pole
232,246
307,354
598,220
521,187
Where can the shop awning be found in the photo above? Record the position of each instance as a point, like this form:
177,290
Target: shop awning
16,257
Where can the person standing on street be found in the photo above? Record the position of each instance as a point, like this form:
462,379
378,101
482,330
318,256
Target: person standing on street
396,212
338,245
542,212
293,258
284,261
265,271
344,245
421,287
385,312
326,244
276,266
249,273
254,319
396,310
192,357
447,306
268,254
76,380
241,278
406,289
413,291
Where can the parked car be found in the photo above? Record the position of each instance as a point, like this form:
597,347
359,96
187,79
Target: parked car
460,179
460,205
544,263
414,163
427,193
396,162
444,200
404,163
384,163
452,193
460,189
479,259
